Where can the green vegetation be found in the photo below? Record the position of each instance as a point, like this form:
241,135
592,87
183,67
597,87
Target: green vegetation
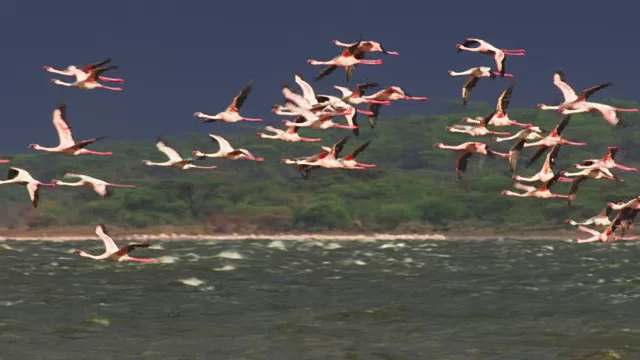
414,187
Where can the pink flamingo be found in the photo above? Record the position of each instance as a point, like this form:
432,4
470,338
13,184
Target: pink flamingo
230,114
112,251
99,186
474,74
607,235
72,70
467,149
22,177
346,59
67,144
607,162
289,135
349,161
542,192
484,47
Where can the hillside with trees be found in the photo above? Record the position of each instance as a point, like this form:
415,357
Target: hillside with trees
414,187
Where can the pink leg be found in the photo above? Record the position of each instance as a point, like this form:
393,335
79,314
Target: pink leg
392,53
379,102
257,159
514,54
565,179
4,161
91,152
364,112
627,110
618,166
310,140
115,80
351,127
498,133
515,123
122,186
559,196
370,62
418,98
627,238
574,143
110,88
251,119
367,165
141,260
591,239
505,75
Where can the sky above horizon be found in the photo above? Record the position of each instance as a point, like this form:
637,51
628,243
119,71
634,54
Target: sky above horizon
179,57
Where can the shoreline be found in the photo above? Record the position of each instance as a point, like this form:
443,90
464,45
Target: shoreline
73,234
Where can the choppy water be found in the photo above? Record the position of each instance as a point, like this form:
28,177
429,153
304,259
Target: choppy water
323,300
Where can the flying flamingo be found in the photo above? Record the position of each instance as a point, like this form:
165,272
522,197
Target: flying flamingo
230,114
289,135
478,130
607,162
175,160
365,46
582,176
542,192
530,133
73,70
99,186
349,161
112,251
607,235
328,158
89,81
354,97
627,214
571,99
484,47
602,219
391,93
22,177
315,121
67,144
474,74
610,113
467,149
227,151
555,137
346,59
546,172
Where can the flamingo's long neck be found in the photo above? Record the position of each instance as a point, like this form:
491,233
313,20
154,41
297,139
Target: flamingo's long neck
87,255
77,183
42,148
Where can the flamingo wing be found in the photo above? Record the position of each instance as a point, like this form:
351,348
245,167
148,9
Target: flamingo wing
239,99
307,90
359,149
504,100
514,152
590,91
95,65
467,87
130,247
575,186
34,193
328,70
109,244
462,161
563,124
62,125
568,93
164,147
337,148
225,146
536,155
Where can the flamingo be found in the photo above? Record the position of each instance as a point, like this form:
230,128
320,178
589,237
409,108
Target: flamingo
112,251
328,158
389,94
571,99
530,133
607,235
555,137
607,162
602,219
478,130
610,113
230,114
72,70
67,144
546,172
22,177
633,204
99,186
315,121
227,151
499,116
349,161
175,160
365,46
542,192
582,176
289,135
467,149
484,47
626,215
346,59
474,74
88,81
354,97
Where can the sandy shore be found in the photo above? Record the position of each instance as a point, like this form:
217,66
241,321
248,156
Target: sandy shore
122,234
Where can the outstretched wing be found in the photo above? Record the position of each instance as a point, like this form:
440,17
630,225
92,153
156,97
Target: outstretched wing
461,163
575,185
467,87
167,150
62,125
337,148
109,244
95,65
325,72
514,152
358,150
563,124
239,99
590,91
504,100
225,147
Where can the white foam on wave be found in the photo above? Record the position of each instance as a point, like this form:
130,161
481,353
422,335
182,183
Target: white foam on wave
332,246
277,244
230,254
192,281
166,259
227,267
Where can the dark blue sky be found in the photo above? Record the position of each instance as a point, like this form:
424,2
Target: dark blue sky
178,57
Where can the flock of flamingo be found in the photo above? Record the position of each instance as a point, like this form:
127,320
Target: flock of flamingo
312,111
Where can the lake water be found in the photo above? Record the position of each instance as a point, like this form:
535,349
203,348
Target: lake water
323,300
